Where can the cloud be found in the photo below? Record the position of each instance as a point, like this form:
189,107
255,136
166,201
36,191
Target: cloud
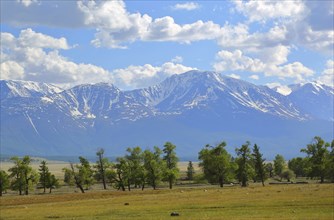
116,27
255,77
11,70
237,61
177,59
189,6
306,23
266,10
35,56
282,89
29,38
27,3
327,76
41,61
147,75
235,76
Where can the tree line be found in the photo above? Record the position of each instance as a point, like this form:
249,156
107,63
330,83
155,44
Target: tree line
140,169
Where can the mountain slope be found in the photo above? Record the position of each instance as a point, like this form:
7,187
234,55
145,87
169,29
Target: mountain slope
210,90
314,99
190,109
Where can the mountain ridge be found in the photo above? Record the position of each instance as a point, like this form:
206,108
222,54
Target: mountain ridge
189,109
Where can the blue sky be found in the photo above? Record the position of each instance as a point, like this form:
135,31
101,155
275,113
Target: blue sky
135,44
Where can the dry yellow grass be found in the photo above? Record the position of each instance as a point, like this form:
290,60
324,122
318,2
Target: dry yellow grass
312,201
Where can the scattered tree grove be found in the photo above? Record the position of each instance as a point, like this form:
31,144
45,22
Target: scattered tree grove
142,168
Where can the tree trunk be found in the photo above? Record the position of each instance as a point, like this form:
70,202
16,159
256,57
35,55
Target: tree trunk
129,187
170,184
322,179
102,173
243,182
50,189
262,182
81,189
221,182
153,184
27,185
104,182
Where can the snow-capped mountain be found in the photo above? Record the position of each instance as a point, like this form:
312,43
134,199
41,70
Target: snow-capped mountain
11,89
210,90
314,99
190,109
102,101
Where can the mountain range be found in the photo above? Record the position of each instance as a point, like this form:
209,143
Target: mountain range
189,109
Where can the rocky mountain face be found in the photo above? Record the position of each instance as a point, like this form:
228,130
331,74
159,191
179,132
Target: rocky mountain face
189,109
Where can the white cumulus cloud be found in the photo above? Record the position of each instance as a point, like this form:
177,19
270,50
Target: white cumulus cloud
142,76
189,6
327,75
117,27
266,9
237,61
41,61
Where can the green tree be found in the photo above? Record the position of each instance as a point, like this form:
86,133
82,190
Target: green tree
154,166
29,174
190,171
16,175
85,172
22,174
269,168
69,176
244,163
318,155
298,165
80,175
259,165
330,164
77,178
44,175
279,164
171,172
123,173
287,174
216,163
4,181
102,164
52,183
135,166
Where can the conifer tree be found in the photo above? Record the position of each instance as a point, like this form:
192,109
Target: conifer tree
190,171
243,161
44,175
259,165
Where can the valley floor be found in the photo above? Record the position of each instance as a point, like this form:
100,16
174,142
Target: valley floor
294,201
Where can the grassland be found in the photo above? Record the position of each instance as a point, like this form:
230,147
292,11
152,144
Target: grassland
310,201
293,201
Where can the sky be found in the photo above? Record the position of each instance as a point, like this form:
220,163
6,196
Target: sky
135,44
